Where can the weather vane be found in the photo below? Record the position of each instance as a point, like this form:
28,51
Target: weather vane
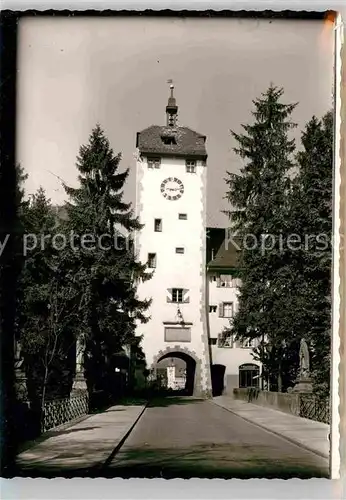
171,86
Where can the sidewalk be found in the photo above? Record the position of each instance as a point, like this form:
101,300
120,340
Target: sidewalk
308,434
82,448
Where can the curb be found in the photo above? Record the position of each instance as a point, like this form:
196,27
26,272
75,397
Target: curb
291,440
105,464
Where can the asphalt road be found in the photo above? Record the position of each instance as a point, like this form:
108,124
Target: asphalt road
185,437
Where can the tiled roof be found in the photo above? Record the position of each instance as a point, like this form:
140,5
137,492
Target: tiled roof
221,253
188,142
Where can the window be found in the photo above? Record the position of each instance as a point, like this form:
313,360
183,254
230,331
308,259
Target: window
212,309
225,339
190,166
182,216
246,344
151,260
212,341
226,310
177,295
158,225
249,343
224,281
171,120
236,283
248,375
168,140
180,250
154,162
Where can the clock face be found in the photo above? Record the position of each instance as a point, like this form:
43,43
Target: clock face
172,188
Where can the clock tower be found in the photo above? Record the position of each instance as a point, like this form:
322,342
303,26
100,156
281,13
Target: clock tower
171,203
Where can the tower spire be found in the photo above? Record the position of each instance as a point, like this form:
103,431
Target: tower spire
171,108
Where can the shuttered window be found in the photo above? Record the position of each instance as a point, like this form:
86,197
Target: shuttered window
178,295
224,281
227,309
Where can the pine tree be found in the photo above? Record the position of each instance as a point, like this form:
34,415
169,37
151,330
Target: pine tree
258,198
108,268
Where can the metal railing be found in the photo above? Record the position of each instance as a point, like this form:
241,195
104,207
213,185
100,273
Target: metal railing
314,408
60,411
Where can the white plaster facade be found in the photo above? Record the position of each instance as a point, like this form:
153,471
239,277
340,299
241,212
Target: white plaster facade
233,355
174,270
185,271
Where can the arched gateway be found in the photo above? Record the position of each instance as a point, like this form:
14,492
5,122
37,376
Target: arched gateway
193,385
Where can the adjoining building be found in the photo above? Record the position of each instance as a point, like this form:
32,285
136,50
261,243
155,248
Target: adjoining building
232,361
190,304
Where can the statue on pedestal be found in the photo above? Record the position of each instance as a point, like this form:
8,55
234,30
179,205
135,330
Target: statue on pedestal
304,366
303,381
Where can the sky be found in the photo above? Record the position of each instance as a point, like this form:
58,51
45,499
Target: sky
76,72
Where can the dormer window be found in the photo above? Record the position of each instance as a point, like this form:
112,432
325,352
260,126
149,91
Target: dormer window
190,166
168,140
154,162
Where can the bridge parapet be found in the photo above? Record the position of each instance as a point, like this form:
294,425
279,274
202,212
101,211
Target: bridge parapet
299,404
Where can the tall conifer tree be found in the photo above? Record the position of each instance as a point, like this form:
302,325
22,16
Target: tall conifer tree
311,220
258,198
107,266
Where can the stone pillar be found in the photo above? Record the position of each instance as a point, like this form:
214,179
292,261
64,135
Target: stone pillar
20,375
303,385
79,382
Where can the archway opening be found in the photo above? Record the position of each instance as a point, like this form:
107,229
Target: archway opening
249,375
217,379
175,372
